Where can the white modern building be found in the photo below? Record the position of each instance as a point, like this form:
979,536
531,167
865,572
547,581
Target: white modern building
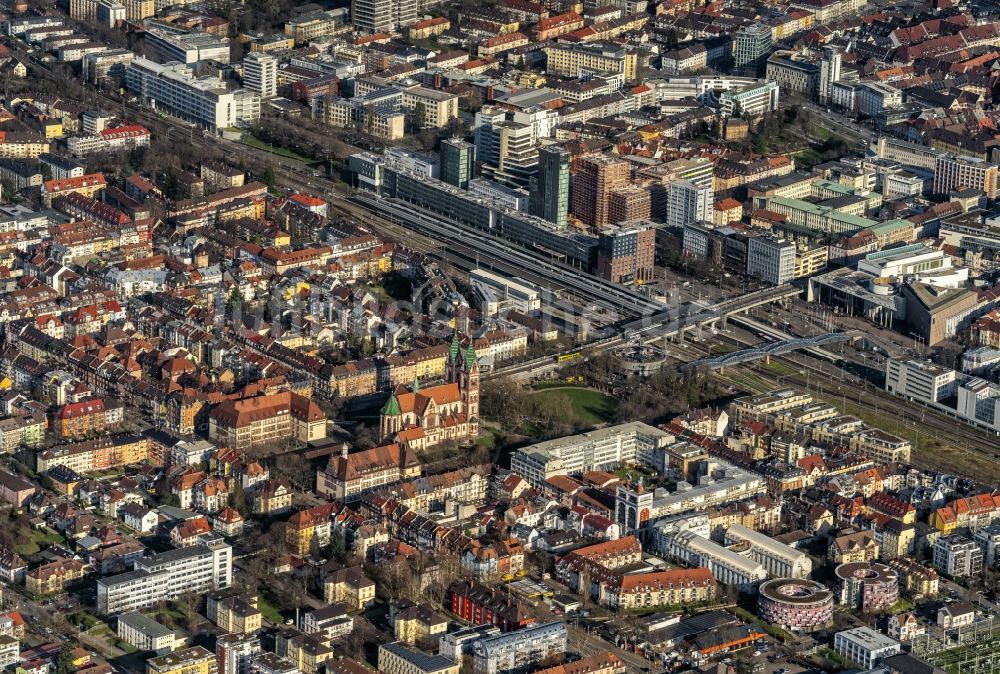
919,380
988,540
979,399
603,449
829,72
110,13
779,559
750,101
146,634
204,101
865,646
514,198
751,45
168,575
915,263
373,16
873,97
771,259
844,95
235,652
519,650
688,203
260,74
980,360
456,645
498,293
187,48
957,556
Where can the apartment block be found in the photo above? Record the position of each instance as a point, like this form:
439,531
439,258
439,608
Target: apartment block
957,556
603,449
167,575
953,173
315,25
187,48
517,650
195,660
260,74
576,59
96,455
173,88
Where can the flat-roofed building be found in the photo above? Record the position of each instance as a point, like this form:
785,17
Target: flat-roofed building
173,88
605,448
499,293
865,646
576,59
187,48
518,650
195,660
919,380
168,575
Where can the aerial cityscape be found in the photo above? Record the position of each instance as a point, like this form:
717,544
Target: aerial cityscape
499,337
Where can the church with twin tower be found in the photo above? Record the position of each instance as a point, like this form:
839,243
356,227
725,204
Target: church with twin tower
423,417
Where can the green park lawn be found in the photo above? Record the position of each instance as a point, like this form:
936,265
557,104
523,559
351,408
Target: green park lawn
588,406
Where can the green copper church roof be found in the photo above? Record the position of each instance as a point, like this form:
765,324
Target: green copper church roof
391,406
453,351
470,355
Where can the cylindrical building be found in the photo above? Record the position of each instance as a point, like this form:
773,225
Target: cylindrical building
795,604
868,586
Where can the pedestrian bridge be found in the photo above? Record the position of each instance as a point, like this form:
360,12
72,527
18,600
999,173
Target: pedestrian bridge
765,351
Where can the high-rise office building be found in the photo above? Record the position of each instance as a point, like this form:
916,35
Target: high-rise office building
516,154
751,47
550,186
487,139
829,72
373,16
597,176
260,74
771,259
458,159
688,203
625,253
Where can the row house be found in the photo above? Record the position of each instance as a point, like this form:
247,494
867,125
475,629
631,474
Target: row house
86,418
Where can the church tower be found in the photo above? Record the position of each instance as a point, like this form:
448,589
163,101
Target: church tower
469,385
452,368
